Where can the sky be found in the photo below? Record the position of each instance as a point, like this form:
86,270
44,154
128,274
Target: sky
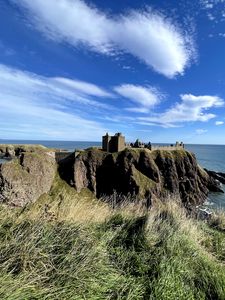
75,69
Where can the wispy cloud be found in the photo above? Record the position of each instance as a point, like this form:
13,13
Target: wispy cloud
219,123
201,131
82,87
142,110
147,35
145,97
190,109
215,9
35,107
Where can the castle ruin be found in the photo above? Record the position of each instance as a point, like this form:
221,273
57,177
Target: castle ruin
117,143
114,143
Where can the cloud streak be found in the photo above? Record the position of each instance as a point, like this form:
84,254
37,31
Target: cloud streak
201,131
190,109
219,123
41,107
146,97
150,37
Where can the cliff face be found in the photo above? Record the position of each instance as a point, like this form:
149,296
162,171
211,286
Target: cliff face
25,178
139,172
143,173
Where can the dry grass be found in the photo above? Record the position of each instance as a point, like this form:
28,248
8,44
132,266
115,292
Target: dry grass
63,203
73,246
218,220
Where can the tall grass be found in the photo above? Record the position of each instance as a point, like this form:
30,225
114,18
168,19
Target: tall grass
70,246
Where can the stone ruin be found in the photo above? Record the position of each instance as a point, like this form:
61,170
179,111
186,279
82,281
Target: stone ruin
117,143
114,143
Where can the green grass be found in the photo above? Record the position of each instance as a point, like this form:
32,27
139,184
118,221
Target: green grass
143,182
122,253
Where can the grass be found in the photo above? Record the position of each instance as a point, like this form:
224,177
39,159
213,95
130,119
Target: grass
26,147
79,248
143,182
64,204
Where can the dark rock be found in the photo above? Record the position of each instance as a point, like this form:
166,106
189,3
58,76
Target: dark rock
66,168
144,173
204,213
217,175
221,174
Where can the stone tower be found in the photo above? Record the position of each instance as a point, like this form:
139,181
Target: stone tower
114,143
105,142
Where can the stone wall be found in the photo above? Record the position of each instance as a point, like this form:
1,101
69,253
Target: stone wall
114,143
175,147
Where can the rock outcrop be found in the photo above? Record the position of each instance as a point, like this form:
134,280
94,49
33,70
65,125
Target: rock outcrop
26,177
12,151
217,175
140,172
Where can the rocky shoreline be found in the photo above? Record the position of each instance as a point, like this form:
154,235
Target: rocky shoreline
219,176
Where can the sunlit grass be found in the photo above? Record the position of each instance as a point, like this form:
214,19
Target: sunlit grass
73,246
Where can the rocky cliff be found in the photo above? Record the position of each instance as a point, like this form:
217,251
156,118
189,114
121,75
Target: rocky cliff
142,173
146,174
27,176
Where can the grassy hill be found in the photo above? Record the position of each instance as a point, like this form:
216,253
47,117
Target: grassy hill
73,246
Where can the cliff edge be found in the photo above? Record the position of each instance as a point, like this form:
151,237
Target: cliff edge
27,176
140,172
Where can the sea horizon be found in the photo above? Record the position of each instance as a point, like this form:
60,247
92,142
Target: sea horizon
11,141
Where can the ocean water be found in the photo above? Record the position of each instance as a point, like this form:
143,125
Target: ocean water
65,145
211,157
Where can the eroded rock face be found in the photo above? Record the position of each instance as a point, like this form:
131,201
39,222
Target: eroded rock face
143,173
25,178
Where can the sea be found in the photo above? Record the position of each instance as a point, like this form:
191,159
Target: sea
211,157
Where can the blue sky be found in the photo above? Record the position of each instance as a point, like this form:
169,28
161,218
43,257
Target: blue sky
74,69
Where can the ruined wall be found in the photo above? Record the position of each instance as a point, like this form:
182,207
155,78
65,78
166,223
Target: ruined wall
114,143
175,147
121,143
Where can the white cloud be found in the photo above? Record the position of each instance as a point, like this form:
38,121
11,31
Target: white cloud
200,131
145,96
17,81
214,9
190,109
218,123
83,87
127,67
142,110
39,107
209,5
149,36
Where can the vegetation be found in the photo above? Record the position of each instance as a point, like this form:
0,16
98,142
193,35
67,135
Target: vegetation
71,246
26,148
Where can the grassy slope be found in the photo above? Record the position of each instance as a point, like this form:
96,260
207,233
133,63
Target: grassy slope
70,246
